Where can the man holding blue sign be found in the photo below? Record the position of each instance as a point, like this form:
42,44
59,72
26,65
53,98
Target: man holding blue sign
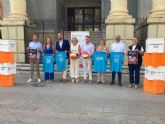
117,52
63,45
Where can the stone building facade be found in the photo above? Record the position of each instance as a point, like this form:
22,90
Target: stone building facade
109,16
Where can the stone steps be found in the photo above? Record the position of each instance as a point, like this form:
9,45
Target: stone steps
22,68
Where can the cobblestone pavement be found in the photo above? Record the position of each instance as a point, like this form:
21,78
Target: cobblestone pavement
68,103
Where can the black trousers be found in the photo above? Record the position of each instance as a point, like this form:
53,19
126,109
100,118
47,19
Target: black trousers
114,75
134,73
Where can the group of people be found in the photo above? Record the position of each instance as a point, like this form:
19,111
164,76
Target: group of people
74,51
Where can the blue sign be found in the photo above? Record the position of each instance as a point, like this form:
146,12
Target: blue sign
100,62
116,60
61,61
48,63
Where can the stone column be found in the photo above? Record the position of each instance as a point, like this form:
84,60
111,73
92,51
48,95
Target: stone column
13,27
156,20
18,8
158,8
119,8
119,22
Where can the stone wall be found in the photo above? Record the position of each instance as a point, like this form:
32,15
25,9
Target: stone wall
41,9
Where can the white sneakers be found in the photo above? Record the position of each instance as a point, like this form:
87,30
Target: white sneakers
135,86
29,80
130,85
39,80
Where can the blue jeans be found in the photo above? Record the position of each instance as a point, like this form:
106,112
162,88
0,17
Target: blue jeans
114,75
134,69
49,76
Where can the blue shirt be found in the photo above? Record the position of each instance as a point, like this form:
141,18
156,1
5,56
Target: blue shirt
116,60
61,61
48,50
100,61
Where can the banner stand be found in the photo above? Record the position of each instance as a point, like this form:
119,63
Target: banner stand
154,81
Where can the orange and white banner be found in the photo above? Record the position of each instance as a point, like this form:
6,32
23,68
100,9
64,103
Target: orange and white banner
155,73
7,69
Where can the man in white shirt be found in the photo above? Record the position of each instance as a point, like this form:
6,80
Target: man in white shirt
87,47
117,46
36,45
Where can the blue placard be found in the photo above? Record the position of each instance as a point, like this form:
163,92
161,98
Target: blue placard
100,62
61,61
48,63
116,60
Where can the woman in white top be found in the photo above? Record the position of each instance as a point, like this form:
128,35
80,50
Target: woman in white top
74,60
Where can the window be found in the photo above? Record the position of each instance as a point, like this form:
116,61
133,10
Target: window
84,19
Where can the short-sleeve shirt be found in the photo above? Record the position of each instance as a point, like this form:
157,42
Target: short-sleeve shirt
118,47
36,45
89,48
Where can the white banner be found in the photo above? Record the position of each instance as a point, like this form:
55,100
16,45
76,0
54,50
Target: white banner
7,69
155,45
80,35
157,73
7,46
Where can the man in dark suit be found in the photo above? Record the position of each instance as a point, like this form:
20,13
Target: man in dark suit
63,45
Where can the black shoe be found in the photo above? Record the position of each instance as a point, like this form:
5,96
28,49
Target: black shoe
120,84
112,83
